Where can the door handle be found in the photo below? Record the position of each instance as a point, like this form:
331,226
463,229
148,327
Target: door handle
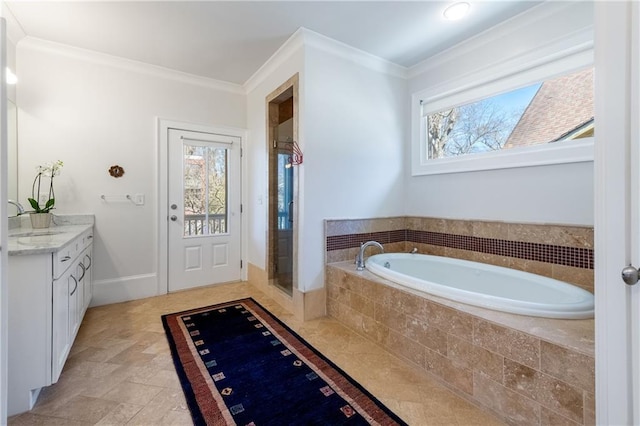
76,287
630,275
174,218
84,271
291,211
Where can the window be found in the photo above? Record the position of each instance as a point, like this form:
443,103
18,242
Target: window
205,189
556,110
508,115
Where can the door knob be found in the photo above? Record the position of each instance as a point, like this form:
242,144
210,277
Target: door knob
174,218
630,275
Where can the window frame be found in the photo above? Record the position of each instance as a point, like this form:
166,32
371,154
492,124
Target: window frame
488,82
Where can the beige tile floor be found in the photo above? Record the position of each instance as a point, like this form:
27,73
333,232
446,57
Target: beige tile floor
120,371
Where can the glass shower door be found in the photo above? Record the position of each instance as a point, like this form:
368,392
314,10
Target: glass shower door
284,244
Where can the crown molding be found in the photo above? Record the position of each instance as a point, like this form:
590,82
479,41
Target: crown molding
304,38
300,39
284,52
104,59
541,13
348,52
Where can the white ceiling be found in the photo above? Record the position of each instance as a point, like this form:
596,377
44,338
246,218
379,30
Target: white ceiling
230,40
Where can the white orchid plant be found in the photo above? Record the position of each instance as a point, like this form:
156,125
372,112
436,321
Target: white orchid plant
48,170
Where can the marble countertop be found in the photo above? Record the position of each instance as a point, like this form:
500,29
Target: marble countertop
24,240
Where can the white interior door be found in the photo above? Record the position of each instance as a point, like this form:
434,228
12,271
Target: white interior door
617,211
204,209
634,140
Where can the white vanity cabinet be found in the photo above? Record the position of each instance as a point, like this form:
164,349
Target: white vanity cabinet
68,307
71,297
48,296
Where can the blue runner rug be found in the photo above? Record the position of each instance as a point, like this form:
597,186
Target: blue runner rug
240,365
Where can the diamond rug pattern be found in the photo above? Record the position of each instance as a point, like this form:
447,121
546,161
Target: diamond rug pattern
239,365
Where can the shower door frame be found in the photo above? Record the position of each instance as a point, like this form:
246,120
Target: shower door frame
286,90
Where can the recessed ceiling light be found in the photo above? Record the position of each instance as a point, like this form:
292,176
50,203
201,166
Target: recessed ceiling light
456,11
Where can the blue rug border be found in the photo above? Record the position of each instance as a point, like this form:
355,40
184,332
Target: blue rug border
186,385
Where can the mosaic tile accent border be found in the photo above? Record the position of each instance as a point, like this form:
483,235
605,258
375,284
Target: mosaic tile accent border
339,242
558,255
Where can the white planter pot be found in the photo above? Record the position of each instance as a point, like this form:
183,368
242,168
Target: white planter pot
40,220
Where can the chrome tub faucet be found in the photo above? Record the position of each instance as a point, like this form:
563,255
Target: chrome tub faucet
360,255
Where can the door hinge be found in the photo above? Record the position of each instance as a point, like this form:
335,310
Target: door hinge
241,208
241,152
275,143
240,263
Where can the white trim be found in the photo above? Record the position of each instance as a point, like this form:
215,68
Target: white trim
579,151
303,38
4,227
634,111
299,40
124,289
127,64
207,142
360,57
163,204
498,80
244,222
613,213
540,13
284,52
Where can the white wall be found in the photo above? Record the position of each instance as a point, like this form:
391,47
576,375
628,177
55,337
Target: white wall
283,66
546,194
92,112
353,143
352,131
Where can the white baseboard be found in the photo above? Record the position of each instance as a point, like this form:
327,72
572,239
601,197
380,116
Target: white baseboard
124,289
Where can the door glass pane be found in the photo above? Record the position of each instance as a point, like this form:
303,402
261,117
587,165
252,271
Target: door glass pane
205,190
285,192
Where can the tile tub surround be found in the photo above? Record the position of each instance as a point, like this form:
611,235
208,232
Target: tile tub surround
526,370
556,251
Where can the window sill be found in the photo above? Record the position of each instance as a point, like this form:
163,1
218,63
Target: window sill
560,153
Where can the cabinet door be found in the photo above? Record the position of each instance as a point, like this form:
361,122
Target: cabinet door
60,327
75,285
88,277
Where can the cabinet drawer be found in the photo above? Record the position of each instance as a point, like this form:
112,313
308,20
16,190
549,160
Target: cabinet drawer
87,239
63,258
